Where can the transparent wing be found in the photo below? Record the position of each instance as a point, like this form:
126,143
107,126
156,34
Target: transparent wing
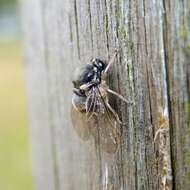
102,125
80,115
80,124
106,132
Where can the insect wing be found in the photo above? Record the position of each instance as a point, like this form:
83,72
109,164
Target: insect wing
80,124
102,125
106,132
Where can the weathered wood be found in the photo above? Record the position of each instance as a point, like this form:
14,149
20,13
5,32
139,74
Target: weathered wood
152,69
178,72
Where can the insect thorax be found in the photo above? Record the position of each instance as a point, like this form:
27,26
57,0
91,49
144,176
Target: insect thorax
88,73
89,89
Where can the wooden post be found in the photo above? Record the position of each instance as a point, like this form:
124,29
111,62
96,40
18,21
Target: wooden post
152,69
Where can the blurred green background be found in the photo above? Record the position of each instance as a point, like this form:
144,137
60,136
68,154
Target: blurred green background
15,162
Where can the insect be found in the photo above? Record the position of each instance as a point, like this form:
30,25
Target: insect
91,113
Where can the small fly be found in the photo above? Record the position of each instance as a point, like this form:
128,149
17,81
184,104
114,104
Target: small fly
91,113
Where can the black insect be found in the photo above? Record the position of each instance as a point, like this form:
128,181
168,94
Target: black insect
91,113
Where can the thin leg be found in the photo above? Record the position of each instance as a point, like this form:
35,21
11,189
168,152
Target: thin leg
112,126
119,96
111,61
90,97
94,106
85,87
114,113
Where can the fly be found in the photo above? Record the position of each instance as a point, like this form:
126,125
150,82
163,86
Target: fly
91,113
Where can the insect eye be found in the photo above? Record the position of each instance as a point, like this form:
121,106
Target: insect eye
101,65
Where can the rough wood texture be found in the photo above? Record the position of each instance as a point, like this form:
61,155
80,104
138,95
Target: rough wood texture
152,69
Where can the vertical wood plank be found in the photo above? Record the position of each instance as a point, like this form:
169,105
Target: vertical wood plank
151,69
177,56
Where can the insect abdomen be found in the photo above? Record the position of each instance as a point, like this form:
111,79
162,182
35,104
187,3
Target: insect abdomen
79,102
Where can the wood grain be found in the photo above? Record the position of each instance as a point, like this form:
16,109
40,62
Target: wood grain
152,69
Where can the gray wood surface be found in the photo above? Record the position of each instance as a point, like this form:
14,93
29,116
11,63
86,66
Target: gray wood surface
152,69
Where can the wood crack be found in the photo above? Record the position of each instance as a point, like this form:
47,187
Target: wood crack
166,61
77,27
90,18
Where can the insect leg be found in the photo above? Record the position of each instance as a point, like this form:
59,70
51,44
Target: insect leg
111,61
89,98
87,86
109,109
114,113
112,125
93,103
102,99
119,96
